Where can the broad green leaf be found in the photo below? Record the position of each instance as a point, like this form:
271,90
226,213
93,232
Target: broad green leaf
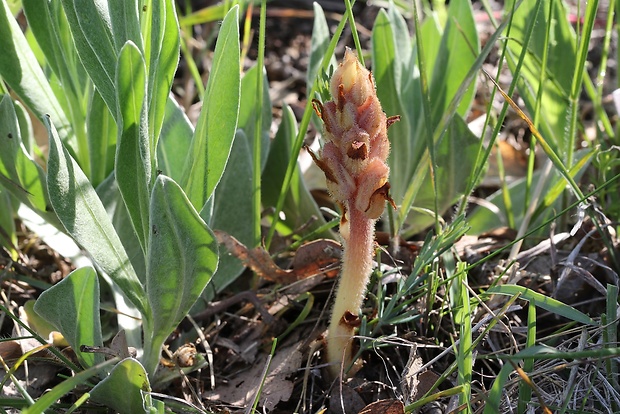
299,207
483,219
72,307
66,386
133,163
182,257
232,212
174,142
456,155
125,23
91,29
125,389
8,236
454,59
82,214
247,111
319,45
386,71
102,136
113,202
49,25
403,46
217,122
545,302
25,127
162,57
21,71
560,66
19,173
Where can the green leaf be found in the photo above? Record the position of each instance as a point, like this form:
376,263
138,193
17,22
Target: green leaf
299,206
112,200
182,257
174,142
319,45
553,122
65,387
51,30
545,302
247,111
125,389
217,122
232,212
90,26
8,236
21,71
484,219
72,307
456,154
19,173
454,59
82,214
162,57
125,23
133,163
386,70
102,136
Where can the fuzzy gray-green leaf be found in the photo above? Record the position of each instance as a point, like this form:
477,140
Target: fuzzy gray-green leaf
182,256
82,214
133,164
72,307
217,123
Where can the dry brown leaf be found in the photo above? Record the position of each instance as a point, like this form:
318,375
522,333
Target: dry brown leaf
384,407
316,257
240,391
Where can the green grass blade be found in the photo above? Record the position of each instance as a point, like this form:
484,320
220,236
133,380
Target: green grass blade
217,122
299,207
258,128
65,387
544,302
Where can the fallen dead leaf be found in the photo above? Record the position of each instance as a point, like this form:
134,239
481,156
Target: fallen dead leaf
241,390
384,407
316,257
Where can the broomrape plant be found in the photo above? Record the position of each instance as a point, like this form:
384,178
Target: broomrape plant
354,162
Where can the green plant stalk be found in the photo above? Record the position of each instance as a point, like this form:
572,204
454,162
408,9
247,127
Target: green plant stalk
580,70
258,128
525,392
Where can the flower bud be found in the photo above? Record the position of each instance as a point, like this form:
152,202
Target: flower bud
354,156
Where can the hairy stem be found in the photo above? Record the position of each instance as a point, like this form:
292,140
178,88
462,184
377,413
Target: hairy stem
356,269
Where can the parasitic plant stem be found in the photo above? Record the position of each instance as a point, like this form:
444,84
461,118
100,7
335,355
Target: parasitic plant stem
354,162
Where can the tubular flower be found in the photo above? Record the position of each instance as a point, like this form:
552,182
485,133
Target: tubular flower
353,159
